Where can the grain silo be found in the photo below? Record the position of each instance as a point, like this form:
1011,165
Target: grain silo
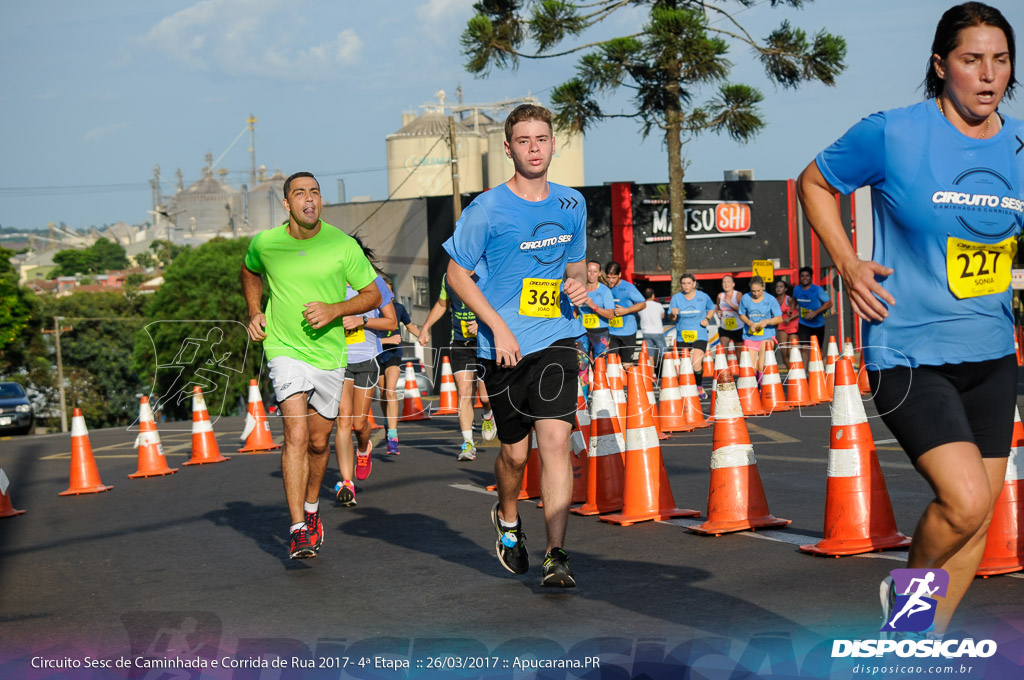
419,161
208,208
265,208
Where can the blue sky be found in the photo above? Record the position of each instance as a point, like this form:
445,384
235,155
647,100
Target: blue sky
95,94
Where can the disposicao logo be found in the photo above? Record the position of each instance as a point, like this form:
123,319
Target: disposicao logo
910,613
913,608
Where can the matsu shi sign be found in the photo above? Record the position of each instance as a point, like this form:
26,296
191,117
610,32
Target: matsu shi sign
704,219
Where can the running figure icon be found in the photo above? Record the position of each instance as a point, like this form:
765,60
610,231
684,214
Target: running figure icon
917,603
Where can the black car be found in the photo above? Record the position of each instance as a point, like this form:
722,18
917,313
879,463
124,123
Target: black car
16,415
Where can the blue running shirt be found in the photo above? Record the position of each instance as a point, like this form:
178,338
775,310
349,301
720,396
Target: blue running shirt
525,247
602,297
624,294
810,298
691,313
947,209
766,308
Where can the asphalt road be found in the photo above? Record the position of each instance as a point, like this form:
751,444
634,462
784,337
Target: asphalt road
194,566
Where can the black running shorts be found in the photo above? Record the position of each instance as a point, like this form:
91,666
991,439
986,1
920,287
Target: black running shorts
735,335
928,406
463,356
624,346
804,333
542,386
390,357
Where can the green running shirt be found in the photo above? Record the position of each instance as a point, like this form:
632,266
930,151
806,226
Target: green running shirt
301,271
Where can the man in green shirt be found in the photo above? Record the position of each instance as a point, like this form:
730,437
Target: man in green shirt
307,265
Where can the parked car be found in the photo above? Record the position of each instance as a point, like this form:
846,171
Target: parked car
423,381
16,414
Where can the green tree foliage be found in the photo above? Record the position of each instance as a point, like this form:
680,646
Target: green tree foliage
101,256
165,252
19,320
96,355
195,333
146,260
680,51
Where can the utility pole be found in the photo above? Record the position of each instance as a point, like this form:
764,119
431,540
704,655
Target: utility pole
252,120
456,196
60,372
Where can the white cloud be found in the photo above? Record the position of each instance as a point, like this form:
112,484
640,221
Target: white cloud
434,11
269,38
99,133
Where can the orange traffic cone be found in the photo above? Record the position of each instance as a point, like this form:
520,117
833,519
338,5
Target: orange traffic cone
647,370
477,403
449,401
412,404
831,355
746,386
817,387
736,499
605,476
204,442
152,462
721,365
688,391
578,458
862,374
648,495
531,475
1016,346
369,418
85,477
797,391
6,509
848,350
617,385
858,513
671,417
582,415
1004,546
734,366
707,368
256,433
772,397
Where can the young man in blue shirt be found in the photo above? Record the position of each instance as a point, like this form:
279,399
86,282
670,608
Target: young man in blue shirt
813,302
531,237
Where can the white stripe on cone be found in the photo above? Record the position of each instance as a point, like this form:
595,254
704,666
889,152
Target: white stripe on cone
733,455
843,463
578,445
78,428
4,482
250,425
641,439
847,407
200,426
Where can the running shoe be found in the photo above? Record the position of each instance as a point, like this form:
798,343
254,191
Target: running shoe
556,570
363,462
701,393
345,492
511,545
488,428
393,446
468,451
315,528
887,595
301,546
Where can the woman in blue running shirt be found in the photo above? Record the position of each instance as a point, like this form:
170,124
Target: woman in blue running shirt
946,184
622,326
